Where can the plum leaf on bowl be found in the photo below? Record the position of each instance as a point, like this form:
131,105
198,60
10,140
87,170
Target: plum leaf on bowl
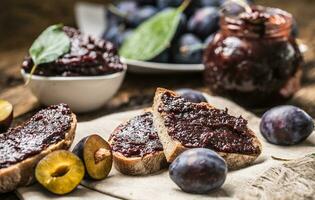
152,36
49,45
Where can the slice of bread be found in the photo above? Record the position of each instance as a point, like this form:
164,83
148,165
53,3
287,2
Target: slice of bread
138,166
137,135
22,173
173,147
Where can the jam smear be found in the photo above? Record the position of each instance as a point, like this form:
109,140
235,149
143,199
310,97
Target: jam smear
195,125
88,56
137,137
45,128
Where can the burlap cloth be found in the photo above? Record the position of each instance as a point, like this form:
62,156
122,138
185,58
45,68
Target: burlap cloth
267,178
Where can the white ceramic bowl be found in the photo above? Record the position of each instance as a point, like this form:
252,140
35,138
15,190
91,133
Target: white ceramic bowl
82,94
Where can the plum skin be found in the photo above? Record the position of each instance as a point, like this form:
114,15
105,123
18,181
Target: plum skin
204,22
6,115
198,171
191,95
286,125
189,56
5,124
142,14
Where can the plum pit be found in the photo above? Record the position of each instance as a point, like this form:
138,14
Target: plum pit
97,156
101,154
61,171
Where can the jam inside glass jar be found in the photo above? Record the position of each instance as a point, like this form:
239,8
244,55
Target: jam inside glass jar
254,59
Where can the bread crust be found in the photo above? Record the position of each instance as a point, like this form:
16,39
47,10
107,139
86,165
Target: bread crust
135,166
172,148
22,173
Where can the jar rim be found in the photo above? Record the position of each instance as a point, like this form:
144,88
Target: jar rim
277,23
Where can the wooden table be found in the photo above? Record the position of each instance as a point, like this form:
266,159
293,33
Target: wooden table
137,90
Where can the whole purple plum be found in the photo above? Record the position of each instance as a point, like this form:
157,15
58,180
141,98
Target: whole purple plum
198,171
286,125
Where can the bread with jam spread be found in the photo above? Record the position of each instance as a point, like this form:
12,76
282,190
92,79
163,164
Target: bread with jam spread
182,125
136,147
22,147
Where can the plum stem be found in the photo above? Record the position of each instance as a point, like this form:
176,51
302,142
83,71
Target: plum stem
113,9
101,154
31,74
187,48
184,5
280,159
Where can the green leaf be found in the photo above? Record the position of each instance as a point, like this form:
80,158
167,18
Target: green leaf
152,37
50,44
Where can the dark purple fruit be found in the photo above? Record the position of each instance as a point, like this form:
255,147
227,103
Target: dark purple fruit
97,156
146,2
191,95
168,3
114,34
187,50
232,8
295,28
123,36
117,35
204,22
211,3
198,171
112,20
6,115
250,1
122,12
163,57
127,7
60,172
209,39
144,13
182,26
286,125
162,4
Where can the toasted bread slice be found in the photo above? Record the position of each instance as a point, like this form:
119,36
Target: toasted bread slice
170,111
22,173
136,147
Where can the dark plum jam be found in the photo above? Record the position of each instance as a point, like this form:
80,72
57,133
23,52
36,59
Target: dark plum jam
137,137
88,56
254,58
45,128
195,125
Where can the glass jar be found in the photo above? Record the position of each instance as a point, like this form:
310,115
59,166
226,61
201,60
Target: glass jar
254,59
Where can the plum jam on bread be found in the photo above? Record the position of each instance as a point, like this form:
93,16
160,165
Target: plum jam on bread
22,147
182,125
136,146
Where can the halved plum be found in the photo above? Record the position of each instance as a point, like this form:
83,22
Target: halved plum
6,115
97,156
60,172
